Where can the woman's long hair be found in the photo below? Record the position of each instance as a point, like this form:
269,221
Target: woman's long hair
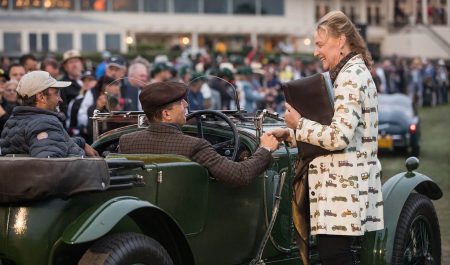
336,24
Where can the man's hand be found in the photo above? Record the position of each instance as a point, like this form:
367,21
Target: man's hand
281,134
291,117
89,151
269,141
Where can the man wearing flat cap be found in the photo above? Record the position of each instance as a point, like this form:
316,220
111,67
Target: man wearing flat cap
165,107
36,128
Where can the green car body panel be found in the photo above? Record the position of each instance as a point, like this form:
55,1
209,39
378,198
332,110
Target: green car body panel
197,219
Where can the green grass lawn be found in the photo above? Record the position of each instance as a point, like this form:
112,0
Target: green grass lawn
434,162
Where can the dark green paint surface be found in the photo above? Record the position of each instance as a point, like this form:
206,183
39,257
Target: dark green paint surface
219,224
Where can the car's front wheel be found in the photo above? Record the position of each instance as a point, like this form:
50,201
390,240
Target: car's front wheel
126,249
417,238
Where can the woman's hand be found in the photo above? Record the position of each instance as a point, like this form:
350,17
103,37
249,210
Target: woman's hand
291,117
269,141
281,134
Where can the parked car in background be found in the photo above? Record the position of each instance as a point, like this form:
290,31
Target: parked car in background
398,124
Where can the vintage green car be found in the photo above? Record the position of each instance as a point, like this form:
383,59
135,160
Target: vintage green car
166,209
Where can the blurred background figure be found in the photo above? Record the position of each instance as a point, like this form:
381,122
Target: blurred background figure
115,101
160,72
3,80
8,100
252,95
89,82
138,77
29,62
442,78
73,67
116,67
16,71
51,66
195,97
415,85
100,71
4,62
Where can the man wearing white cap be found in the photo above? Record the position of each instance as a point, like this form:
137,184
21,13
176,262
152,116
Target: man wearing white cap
73,67
36,127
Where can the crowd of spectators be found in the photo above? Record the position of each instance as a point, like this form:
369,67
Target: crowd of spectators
436,14
115,83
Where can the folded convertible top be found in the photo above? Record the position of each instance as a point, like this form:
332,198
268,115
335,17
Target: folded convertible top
30,179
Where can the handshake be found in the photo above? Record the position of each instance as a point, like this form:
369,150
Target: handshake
270,140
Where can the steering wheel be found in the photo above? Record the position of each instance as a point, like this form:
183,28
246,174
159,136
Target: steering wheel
235,139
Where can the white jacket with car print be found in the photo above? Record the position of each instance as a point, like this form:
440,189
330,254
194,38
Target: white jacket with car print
345,188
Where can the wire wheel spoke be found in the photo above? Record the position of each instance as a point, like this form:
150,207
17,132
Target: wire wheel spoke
418,248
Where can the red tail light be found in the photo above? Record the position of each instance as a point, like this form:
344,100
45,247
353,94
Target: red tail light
412,128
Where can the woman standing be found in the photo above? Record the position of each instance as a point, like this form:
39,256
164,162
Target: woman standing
344,188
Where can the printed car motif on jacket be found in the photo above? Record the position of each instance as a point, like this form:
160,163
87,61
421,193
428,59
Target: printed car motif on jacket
345,180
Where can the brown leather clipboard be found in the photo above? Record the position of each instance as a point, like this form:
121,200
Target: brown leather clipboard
311,98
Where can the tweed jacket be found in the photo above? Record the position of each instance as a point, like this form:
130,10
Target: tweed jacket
345,187
164,138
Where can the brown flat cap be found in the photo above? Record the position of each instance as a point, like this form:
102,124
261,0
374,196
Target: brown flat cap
157,95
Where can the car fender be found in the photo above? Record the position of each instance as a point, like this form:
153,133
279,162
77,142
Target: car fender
395,192
97,221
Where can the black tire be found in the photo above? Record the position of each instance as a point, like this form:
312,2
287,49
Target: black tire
418,223
126,249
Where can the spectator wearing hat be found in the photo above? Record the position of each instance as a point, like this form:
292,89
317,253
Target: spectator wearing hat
16,71
251,95
195,96
73,68
36,127
114,72
185,73
223,85
89,82
51,66
29,62
116,67
160,72
165,108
